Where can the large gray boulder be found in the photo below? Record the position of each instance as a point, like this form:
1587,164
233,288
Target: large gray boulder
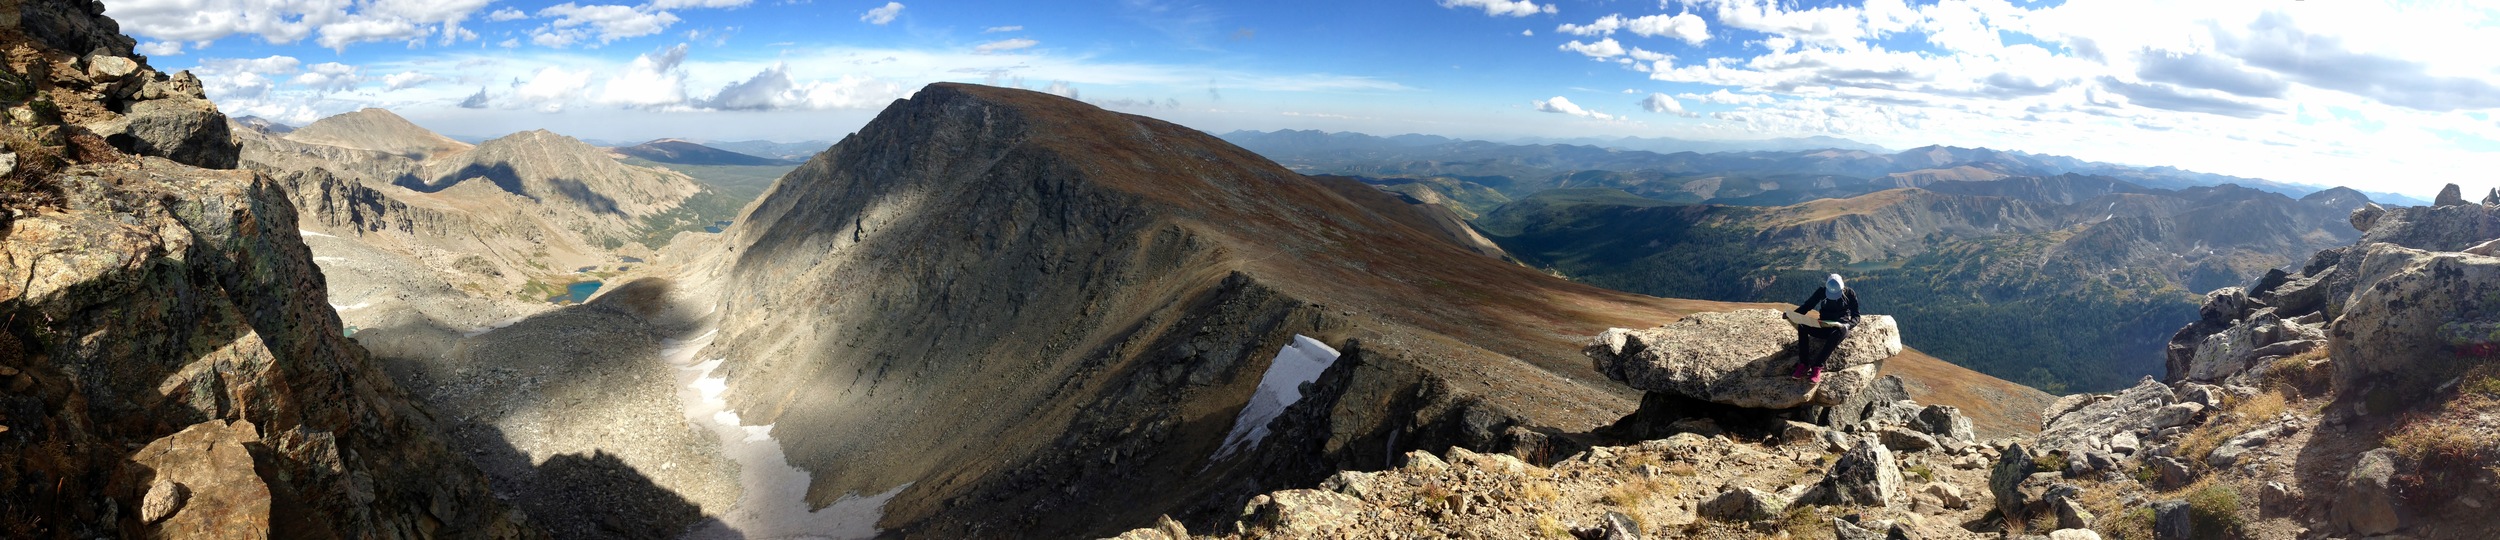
1741,358
2412,313
2367,216
1867,475
2449,196
2100,419
2367,505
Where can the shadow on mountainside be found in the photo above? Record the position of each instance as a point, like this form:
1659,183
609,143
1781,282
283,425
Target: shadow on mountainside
575,418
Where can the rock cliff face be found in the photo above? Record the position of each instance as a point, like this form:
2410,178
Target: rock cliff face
171,366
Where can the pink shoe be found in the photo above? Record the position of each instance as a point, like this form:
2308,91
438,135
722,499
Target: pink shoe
1818,377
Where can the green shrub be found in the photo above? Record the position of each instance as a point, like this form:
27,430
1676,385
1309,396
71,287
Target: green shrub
2216,512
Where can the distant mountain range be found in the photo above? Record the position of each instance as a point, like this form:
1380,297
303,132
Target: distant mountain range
685,152
786,151
2066,282
1670,145
1519,169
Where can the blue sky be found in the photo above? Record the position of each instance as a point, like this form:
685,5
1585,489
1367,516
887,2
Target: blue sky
2390,95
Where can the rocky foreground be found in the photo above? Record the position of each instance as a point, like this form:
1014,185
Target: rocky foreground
2355,398
169,367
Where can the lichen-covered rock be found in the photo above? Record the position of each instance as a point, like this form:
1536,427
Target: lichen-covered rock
1740,358
1945,422
2412,310
2367,216
1305,513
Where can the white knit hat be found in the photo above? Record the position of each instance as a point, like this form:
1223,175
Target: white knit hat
1832,286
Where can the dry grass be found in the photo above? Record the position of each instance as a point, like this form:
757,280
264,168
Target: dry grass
2306,374
1637,459
2443,444
1548,527
1683,469
2248,413
1633,493
1539,491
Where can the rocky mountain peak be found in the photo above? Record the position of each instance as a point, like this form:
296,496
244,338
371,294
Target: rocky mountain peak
377,130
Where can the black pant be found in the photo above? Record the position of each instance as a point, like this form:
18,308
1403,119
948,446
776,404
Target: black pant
1813,357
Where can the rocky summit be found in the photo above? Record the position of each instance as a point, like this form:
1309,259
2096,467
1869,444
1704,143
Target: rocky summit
1740,357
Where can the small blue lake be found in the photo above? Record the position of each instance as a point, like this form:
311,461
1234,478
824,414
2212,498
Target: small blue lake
577,292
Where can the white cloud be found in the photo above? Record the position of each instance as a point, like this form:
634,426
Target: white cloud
507,14
1602,49
998,29
1529,33
553,87
405,80
883,14
1062,89
608,23
1501,8
1004,45
652,80
329,77
1564,106
775,89
1662,103
1684,26
160,48
676,4
1724,97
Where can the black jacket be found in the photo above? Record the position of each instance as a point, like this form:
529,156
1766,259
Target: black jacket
1844,310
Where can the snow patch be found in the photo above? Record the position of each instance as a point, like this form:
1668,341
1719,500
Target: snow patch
359,305
329,259
773,500
310,233
1297,363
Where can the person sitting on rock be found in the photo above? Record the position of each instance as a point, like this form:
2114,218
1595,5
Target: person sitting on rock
1837,306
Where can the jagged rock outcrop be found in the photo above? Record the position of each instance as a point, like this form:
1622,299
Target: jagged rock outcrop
173,365
2099,419
1737,357
2415,315
2449,196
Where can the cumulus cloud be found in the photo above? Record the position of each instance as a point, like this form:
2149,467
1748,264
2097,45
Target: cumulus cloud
2278,44
1564,106
552,88
652,80
998,29
405,80
475,101
1602,49
338,23
605,23
1662,103
507,14
883,14
774,89
160,48
2209,72
329,77
1501,8
1684,26
1004,45
1062,89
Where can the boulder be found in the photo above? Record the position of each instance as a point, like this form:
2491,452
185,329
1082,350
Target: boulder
2074,534
1742,504
2176,414
110,68
1842,529
2171,521
2411,312
203,483
2071,515
2492,198
2125,443
2226,353
1945,421
2207,395
1947,494
2367,505
188,131
1305,513
2229,452
1875,406
2128,411
1865,475
2367,216
2006,480
2169,473
1741,358
1613,526
2449,196
1901,439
